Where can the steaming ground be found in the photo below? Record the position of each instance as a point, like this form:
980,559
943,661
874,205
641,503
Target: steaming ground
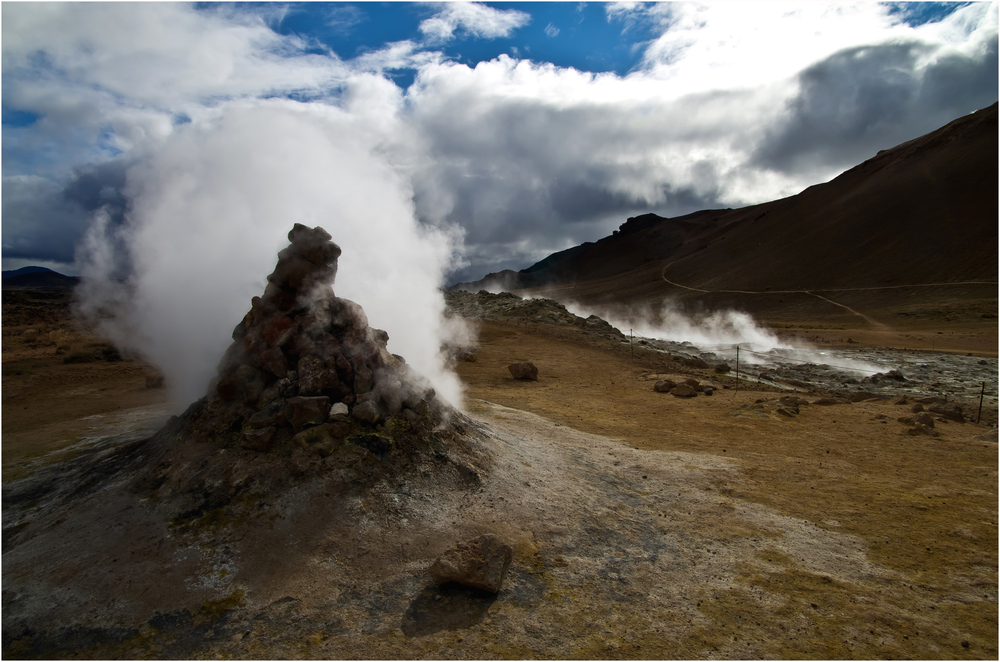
645,526
715,337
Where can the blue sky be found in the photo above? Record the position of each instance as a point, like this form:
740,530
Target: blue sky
518,129
567,34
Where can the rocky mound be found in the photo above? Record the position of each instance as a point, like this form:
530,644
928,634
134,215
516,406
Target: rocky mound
311,432
506,306
306,371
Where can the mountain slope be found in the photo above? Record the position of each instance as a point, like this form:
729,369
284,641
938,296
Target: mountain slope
37,278
921,213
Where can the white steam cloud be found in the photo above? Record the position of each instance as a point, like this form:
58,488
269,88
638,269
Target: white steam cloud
210,209
719,332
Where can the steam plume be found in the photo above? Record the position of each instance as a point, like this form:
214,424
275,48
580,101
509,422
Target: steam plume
209,210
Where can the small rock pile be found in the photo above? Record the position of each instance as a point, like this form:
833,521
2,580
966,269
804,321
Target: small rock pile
305,370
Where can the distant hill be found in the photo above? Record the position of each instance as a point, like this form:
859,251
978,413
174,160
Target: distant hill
921,213
37,278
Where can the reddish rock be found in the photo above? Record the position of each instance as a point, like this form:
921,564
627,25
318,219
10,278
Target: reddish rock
274,361
301,410
278,331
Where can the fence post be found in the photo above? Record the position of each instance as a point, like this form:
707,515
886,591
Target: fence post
630,343
982,392
737,370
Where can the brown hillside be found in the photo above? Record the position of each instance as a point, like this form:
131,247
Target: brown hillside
909,232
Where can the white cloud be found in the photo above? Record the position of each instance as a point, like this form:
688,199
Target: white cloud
551,30
474,19
728,107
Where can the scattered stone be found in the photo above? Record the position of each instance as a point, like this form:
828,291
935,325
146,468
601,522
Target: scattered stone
366,411
861,396
302,410
722,368
920,428
708,390
259,440
900,400
831,401
924,418
525,370
917,408
792,401
951,412
931,399
693,383
479,563
695,363
683,391
664,386
339,410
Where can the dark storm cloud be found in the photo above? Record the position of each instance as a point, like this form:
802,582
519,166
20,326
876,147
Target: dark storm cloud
45,221
875,97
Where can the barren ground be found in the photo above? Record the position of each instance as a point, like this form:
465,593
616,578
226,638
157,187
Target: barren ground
645,526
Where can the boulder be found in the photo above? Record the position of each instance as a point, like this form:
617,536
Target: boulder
831,401
900,400
695,363
722,368
525,370
917,408
951,412
683,391
479,563
664,386
708,390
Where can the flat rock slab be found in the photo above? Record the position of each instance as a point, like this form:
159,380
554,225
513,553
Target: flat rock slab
479,563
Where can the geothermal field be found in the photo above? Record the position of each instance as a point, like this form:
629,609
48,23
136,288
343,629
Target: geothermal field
642,498
319,341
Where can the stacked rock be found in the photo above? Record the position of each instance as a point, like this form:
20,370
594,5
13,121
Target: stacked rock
306,368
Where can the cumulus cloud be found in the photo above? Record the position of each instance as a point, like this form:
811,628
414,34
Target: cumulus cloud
474,19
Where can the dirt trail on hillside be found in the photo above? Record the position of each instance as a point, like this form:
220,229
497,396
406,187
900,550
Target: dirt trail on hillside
874,323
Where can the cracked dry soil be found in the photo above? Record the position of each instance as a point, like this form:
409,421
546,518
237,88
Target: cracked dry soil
644,526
